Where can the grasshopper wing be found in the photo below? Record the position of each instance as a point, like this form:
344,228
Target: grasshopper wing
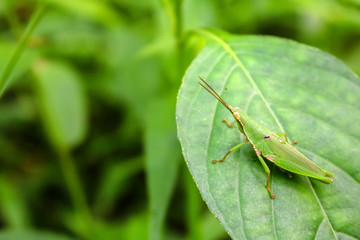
287,157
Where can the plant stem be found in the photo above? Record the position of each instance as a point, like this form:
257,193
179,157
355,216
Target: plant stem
174,12
178,25
76,191
4,79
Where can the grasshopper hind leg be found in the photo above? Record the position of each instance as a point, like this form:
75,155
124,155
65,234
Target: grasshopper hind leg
267,170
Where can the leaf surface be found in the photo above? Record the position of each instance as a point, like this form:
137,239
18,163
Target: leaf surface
288,87
62,103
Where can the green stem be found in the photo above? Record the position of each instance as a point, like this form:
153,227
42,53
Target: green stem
178,25
4,79
174,12
178,28
76,192
14,23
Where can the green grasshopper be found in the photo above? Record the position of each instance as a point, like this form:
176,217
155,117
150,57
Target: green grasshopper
269,145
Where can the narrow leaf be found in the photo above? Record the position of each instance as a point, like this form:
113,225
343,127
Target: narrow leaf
162,154
13,207
31,235
21,46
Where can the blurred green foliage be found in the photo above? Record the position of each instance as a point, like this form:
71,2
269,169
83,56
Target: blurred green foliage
88,146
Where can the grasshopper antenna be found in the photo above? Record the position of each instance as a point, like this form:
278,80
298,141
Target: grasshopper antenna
214,93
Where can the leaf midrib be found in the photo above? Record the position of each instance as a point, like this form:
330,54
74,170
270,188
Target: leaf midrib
241,65
321,207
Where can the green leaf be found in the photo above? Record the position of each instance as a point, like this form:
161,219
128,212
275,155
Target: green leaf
91,9
31,235
162,153
13,208
288,87
132,228
62,103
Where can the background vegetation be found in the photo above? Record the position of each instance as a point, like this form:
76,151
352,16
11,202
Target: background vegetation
88,144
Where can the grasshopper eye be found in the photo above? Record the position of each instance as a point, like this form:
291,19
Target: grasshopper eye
236,115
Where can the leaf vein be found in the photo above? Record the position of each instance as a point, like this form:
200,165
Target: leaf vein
287,60
246,72
212,127
327,123
321,207
325,159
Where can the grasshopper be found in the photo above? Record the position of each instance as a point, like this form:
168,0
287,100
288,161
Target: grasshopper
270,146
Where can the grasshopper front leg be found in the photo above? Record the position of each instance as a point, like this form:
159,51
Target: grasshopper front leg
227,123
231,124
231,150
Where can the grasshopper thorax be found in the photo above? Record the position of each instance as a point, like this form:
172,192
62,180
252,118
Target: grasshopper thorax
236,115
